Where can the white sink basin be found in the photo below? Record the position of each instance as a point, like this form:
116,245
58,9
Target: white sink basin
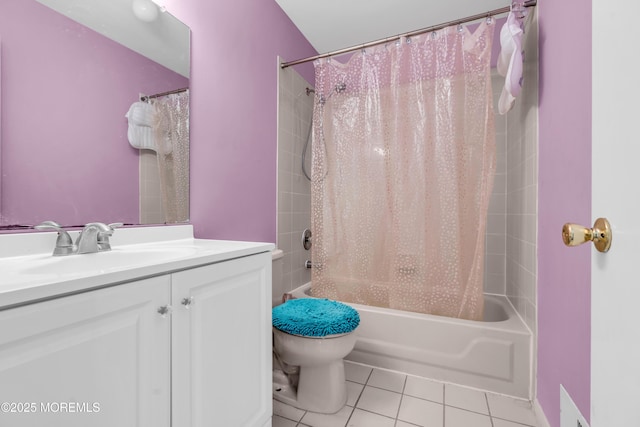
29,272
115,259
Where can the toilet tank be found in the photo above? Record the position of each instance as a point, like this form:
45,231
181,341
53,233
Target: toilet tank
277,257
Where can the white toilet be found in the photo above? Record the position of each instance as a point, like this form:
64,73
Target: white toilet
321,386
308,371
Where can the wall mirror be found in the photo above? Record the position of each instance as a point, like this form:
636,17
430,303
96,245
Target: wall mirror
71,71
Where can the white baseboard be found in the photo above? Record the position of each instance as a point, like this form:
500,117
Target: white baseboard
539,413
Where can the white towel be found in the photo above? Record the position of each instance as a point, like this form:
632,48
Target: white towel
140,132
510,62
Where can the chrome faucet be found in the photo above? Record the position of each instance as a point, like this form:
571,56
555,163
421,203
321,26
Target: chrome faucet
64,243
94,237
88,239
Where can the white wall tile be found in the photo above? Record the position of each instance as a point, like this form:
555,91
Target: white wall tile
522,195
495,244
495,264
301,203
500,183
497,203
496,223
285,157
284,181
495,284
294,190
285,202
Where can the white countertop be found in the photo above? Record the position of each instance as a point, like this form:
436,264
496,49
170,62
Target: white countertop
28,271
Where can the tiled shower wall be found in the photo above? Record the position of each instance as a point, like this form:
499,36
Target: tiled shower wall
511,239
295,109
522,187
495,237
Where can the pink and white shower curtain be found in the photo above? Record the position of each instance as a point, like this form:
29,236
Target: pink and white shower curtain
403,164
171,133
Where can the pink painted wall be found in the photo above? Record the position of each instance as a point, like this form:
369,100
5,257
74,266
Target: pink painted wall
564,274
65,154
235,45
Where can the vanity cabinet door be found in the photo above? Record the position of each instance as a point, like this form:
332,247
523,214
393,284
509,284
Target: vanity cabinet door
99,359
221,344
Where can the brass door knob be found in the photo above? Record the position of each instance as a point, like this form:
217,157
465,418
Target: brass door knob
600,234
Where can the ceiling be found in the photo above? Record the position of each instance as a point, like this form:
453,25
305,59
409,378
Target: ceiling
165,40
335,24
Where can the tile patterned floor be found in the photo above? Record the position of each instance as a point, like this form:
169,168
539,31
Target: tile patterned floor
379,398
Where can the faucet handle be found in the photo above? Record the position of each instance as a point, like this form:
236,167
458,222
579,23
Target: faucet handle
100,226
87,241
64,243
103,236
47,224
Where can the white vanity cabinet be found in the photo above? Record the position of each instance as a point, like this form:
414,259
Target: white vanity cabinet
110,357
100,359
221,344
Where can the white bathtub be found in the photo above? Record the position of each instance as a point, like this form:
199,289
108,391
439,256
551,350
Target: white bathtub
493,355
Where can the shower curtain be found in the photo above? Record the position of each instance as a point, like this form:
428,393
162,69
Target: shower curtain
171,132
403,163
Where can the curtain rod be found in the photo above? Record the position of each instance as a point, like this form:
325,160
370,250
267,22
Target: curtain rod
528,3
145,98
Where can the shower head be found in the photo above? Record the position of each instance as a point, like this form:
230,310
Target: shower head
341,87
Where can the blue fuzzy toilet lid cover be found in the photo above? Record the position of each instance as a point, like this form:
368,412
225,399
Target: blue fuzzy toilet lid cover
312,317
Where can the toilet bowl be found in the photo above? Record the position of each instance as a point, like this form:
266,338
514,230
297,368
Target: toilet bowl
309,368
